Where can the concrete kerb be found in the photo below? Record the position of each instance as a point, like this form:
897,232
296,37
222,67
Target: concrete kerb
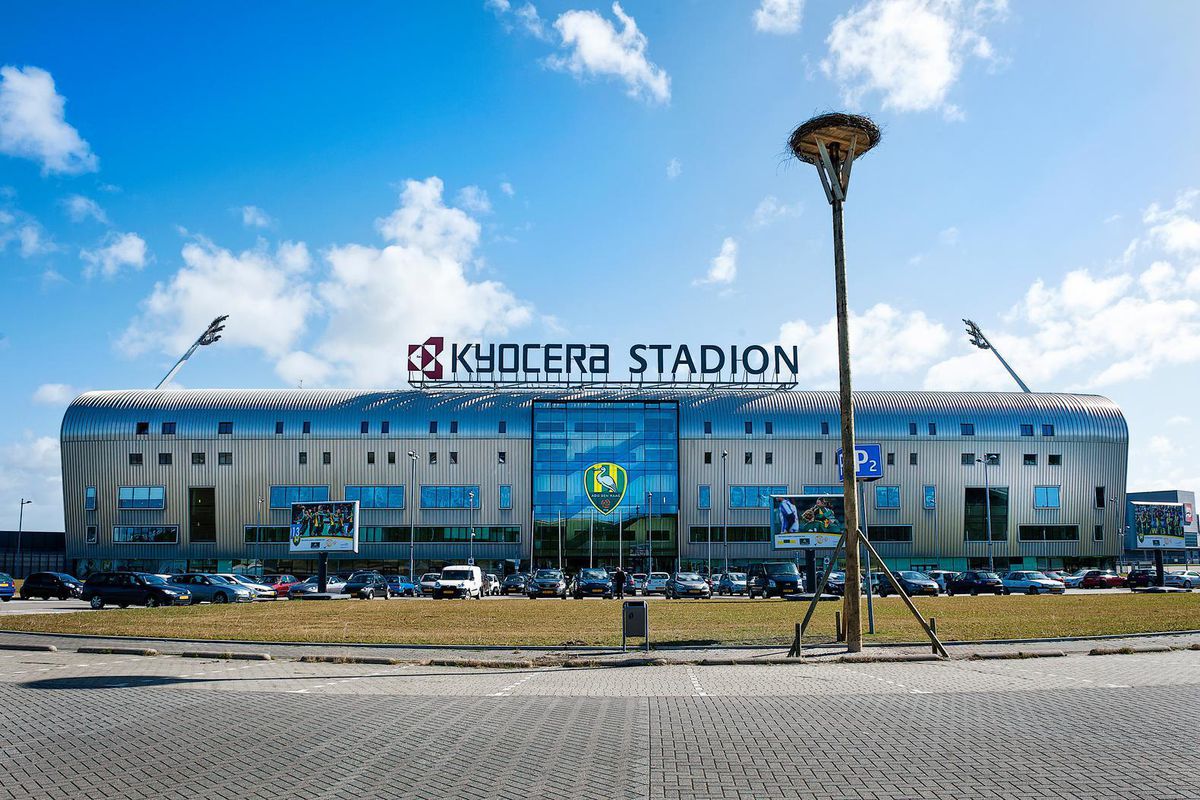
1018,654
36,648
222,655
1128,651
119,651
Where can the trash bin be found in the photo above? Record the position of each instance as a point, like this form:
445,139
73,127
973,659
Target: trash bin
635,621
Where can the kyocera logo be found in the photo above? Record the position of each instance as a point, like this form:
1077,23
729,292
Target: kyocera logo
423,358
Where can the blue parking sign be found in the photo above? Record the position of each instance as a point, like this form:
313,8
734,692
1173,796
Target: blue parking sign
868,462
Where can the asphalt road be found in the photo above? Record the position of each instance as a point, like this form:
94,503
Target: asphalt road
124,726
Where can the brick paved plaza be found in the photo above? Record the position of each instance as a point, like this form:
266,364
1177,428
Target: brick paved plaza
104,726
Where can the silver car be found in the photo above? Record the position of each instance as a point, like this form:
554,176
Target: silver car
429,582
657,583
261,591
732,583
312,585
212,588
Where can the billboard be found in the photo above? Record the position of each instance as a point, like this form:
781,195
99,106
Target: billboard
331,526
1158,525
807,521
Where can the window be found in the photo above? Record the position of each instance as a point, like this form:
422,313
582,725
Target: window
749,457
146,534
168,429
370,456
912,429
968,459
890,533
1029,459
501,457
267,534
143,428
966,428
326,457
278,427
823,489
1098,533
887,496
769,457
433,426
391,456
929,495
376,496
912,459
449,497
1100,498
1027,430
737,533
164,459
303,457
433,458
505,496
225,459
284,496
749,427
502,427
891,459
202,514
198,459
453,456
224,428
933,429
708,456
769,428
141,497
1046,497
89,498
1048,533
824,428
1054,460
92,534
135,459
754,496
818,458
704,496
975,513
364,426
708,426
1047,430
306,427
385,427
454,426
458,534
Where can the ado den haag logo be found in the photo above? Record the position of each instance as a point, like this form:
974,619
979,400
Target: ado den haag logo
423,358
605,484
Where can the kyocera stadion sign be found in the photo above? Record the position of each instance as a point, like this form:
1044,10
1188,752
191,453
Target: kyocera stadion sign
435,361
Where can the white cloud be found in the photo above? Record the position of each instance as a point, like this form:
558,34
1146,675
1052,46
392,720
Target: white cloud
255,217
674,168
54,394
475,200
507,189
769,210
949,236
118,250
526,16
909,51
778,16
723,268
33,126
1174,229
31,469
33,240
596,48
80,208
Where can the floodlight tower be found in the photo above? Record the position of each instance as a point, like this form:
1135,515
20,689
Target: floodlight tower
981,341
831,142
210,336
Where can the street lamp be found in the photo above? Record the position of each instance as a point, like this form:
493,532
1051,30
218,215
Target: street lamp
650,528
20,526
724,505
412,515
210,336
979,340
471,534
988,460
831,142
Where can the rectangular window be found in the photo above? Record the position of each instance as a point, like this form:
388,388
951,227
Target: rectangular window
818,458
326,457
933,429
968,459
1029,459
168,429
364,426
703,496
303,457
454,426
198,459
749,457
912,429
278,427
202,514
453,456
887,496
1046,497
370,456
708,426
769,457
385,426
505,496
966,429
890,533
912,459
929,494
891,459
822,490
146,534
1054,460
268,534
749,427
975,513
284,496
141,497
708,456
501,457
135,459
502,427
449,497
753,496
1048,533
824,428
92,534
1101,500
164,459
433,426
1027,430
376,496
225,459
769,428
432,458
224,428
1098,533
391,456
1047,430
306,427
143,429
89,498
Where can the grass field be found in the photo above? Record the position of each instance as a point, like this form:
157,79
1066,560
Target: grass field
597,622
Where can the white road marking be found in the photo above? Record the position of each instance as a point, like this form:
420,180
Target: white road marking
507,690
696,682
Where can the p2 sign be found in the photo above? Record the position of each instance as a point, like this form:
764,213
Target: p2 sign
868,462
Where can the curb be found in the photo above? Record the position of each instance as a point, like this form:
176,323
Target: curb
36,648
1018,654
119,651
1128,651
352,660
864,658
223,655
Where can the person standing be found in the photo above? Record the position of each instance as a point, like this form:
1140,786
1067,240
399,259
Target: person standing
619,584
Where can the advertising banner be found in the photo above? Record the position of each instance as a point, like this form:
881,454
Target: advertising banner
326,527
807,521
1158,525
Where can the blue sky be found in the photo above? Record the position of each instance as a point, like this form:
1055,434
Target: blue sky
343,179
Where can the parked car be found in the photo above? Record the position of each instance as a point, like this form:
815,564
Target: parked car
280,583
402,586
1187,579
779,578
45,585
429,582
913,583
639,582
517,583
688,584
368,585
261,591
459,580
1101,579
1075,579
547,583
491,584
334,584
1056,575
1031,582
212,588
656,583
713,580
1136,578
732,583
941,577
973,582
126,589
878,582
6,587
592,582
836,583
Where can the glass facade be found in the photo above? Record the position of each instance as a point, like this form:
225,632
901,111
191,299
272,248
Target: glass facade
376,496
284,496
754,496
630,504
141,497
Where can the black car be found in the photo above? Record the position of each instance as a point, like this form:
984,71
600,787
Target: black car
514,584
913,583
547,583
593,582
368,586
133,589
779,578
51,584
973,582
1135,579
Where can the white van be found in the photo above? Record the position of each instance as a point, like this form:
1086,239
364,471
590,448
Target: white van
459,581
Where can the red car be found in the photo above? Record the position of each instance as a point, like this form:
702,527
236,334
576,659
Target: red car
1102,579
280,583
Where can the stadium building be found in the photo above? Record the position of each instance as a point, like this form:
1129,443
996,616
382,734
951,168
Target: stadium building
203,480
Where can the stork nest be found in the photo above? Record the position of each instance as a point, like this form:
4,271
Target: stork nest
833,129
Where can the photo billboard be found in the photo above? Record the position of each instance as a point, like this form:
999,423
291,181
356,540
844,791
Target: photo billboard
807,521
1158,525
331,526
